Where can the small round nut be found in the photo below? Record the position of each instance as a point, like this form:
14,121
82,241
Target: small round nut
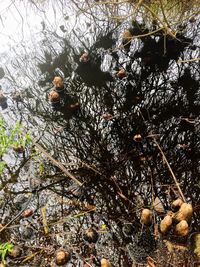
105,263
58,82
146,216
62,257
166,224
184,213
54,96
176,204
182,228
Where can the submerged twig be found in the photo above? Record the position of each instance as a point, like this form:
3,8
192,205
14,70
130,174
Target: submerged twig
171,171
58,164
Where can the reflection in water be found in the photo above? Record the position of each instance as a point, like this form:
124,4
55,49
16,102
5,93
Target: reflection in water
103,127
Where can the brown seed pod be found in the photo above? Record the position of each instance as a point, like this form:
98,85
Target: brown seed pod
27,213
58,82
90,235
105,263
146,216
182,228
184,213
137,138
176,204
15,252
121,73
62,257
54,96
166,224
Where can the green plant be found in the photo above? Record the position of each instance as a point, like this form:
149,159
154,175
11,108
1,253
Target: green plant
4,249
14,137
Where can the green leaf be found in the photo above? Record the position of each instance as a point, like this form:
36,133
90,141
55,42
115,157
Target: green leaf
4,249
2,166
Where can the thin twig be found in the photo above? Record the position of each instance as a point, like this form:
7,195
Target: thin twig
58,164
168,30
170,169
188,60
18,214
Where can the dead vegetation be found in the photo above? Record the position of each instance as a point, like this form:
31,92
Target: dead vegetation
115,181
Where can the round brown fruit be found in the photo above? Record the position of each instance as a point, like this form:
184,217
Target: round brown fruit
185,212
54,96
176,204
166,224
62,257
105,263
58,82
146,216
182,228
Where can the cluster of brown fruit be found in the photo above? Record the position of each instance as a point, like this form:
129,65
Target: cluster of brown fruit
54,96
180,216
177,219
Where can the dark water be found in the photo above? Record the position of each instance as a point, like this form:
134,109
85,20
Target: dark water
157,100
